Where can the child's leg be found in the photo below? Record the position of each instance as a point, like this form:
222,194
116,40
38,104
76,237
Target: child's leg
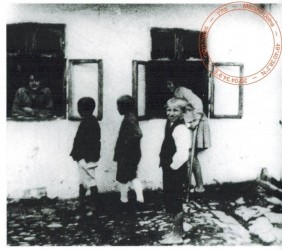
178,223
174,236
82,194
82,189
92,184
137,185
123,188
198,174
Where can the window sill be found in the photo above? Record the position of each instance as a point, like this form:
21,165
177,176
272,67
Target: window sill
32,119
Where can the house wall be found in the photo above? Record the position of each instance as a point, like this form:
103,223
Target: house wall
38,152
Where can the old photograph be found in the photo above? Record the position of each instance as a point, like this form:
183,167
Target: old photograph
143,124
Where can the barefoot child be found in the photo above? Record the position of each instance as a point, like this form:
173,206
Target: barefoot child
86,151
173,157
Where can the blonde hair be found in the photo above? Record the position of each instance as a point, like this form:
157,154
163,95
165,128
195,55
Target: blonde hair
178,102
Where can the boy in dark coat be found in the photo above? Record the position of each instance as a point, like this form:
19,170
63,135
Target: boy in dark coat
173,160
86,151
127,150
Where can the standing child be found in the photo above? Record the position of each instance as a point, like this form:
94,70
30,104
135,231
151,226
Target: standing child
196,119
173,157
86,151
128,151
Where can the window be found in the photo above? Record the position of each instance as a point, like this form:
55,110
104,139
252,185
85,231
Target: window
227,99
38,49
175,57
85,78
149,84
174,44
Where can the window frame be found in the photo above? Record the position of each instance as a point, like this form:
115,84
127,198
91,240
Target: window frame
212,114
29,51
135,85
99,103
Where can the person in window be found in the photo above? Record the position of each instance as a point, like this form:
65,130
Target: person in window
33,101
128,152
173,160
194,120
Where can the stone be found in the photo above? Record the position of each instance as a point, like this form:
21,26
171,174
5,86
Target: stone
252,212
205,237
186,241
275,218
23,244
274,200
278,234
187,227
54,225
142,223
29,238
262,228
213,203
197,205
89,213
240,201
224,218
233,232
48,211
24,234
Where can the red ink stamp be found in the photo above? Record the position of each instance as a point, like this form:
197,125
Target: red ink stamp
274,35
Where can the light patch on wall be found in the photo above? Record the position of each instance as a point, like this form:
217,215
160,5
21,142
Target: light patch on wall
241,36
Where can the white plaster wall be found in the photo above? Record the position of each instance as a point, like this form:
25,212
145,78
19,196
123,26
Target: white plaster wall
37,152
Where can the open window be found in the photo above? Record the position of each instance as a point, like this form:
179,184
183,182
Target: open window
150,89
226,99
175,56
174,44
36,49
85,79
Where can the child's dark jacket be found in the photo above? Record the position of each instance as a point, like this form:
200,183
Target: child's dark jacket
87,143
168,148
127,150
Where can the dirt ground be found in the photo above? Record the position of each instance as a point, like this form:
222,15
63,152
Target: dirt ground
228,214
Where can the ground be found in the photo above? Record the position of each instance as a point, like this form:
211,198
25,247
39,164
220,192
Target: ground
228,214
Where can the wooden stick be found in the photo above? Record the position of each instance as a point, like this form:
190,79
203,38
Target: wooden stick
190,163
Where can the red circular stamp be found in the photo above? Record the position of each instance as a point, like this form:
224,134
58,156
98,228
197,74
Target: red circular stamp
275,37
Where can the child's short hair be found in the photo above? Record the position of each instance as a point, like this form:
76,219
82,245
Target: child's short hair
178,102
86,105
126,104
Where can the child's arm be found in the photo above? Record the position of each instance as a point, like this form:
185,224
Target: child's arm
183,140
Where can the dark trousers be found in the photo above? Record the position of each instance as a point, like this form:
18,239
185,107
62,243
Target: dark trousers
174,186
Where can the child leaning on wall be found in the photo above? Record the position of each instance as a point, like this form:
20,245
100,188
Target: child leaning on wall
128,151
173,160
86,151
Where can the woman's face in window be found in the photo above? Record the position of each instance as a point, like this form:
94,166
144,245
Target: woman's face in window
170,85
34,84
174,113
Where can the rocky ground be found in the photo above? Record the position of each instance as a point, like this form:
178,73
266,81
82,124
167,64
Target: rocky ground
228,215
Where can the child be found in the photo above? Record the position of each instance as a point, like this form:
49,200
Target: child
196,119
86,151
173,160
127,151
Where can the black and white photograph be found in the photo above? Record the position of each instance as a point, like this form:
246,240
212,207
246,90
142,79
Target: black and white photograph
143,124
